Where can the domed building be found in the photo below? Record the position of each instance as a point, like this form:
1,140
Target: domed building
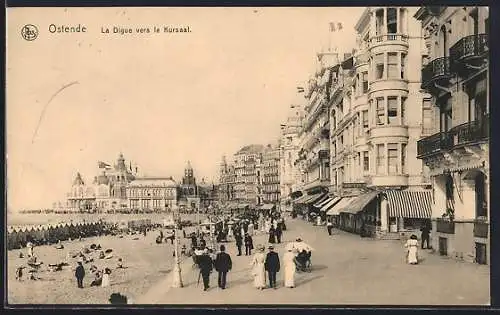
108,191
81,197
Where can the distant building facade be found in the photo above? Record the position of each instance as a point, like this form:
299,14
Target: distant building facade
152,194
270,174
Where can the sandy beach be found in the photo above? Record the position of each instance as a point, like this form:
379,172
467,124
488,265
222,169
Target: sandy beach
145,261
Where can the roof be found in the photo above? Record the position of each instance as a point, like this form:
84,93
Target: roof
252,148
154,181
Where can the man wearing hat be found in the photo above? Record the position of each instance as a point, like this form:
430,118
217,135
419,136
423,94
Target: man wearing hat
79,274
205,263
272,266
223,264
248,244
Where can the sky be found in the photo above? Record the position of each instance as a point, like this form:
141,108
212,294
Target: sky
160,98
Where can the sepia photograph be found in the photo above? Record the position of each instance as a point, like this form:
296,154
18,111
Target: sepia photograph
247,156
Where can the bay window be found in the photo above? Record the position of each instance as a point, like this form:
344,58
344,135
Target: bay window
403,64
364,77
365,120
403,158
392,110
403,110
393,160
379,66
380,159
366,161
392,66
380,110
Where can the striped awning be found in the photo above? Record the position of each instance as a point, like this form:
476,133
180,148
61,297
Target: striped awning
301,199
360,202
324,200
335,210
409,204
314,198
331,202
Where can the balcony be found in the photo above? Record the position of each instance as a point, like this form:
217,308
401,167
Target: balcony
481,229
447,227
436,71
388,38
324,154
469,53
461,135
472,132
434,144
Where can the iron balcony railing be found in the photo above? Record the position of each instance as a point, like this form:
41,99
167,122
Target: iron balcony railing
469,46
433,144
481,229
472,131
437,69
467,133
444,226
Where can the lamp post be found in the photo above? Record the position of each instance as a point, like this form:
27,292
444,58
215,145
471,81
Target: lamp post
177,278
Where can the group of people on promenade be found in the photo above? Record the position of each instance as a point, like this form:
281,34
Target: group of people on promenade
264,266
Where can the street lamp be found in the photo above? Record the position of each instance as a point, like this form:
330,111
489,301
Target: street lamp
177,278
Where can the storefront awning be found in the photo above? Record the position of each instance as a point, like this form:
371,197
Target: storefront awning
314,198
409,204
335,210
322,202
301,199
360,202
331,202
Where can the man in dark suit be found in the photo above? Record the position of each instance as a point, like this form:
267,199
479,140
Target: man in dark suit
272,266
425,229
79,274
239,242
248,244
223,264
205,263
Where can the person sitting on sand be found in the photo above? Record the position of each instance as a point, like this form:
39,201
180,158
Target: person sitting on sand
98,280
98,247
59,245
21,255
101,255
120,264
183,250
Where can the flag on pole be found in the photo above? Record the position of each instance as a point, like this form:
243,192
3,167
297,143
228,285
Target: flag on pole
300,89
336,26
332,27
103,165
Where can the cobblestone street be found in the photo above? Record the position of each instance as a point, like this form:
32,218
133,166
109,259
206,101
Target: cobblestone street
347,269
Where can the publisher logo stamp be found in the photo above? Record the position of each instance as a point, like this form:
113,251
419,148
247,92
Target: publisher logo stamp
29,32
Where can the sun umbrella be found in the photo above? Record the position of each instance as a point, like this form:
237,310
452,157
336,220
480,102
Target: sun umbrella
299,246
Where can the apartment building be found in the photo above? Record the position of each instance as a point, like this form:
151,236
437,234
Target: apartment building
376,119
455,71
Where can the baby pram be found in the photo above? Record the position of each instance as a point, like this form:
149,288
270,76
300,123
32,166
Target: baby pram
303,261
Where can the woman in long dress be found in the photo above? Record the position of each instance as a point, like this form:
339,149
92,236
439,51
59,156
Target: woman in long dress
105,278
258,270
412,250
289,268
